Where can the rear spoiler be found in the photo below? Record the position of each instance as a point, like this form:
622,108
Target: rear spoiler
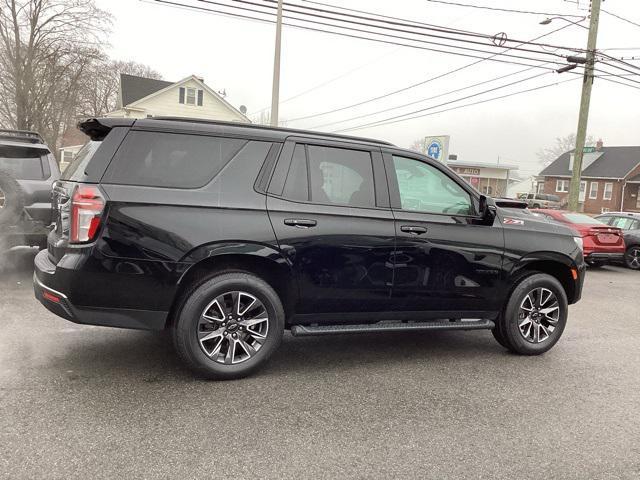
98,128
25,136
510,203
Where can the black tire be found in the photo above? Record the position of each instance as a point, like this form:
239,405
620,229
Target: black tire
498,335
187,325
536,205
632,257
11,199
507,325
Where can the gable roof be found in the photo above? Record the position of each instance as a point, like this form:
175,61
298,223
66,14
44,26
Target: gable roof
615,162
170,85
134,88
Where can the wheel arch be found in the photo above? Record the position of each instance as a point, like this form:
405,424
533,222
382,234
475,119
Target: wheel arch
262,260
555,264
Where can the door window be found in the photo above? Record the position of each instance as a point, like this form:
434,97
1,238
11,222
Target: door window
625,223
296,186
340,176
426,189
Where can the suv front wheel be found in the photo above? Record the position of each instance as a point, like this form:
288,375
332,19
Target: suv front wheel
534,317
229,325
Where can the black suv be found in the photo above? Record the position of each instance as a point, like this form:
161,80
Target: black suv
228,234
27,172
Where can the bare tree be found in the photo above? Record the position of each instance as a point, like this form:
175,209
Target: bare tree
46,49
562,145
100,87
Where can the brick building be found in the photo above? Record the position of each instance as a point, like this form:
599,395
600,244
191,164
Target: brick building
610,179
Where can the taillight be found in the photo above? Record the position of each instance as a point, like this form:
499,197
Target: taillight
87,205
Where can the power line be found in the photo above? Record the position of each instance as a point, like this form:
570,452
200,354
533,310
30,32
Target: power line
343,34
400,22
459,106
421,100
509,10
315,15
454,100
423,82
620,17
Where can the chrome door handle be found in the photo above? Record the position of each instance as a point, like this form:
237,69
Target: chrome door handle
413,229
300,222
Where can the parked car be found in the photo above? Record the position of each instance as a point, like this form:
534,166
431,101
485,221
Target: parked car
543,200
228,234
27,172
602,244
630,224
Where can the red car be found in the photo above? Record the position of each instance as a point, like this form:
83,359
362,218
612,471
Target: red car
601,243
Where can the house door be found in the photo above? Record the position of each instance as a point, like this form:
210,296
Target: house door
583,191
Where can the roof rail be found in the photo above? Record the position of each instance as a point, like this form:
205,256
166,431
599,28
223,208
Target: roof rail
292,131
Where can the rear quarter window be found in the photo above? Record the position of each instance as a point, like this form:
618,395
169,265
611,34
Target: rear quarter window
173,160
76,169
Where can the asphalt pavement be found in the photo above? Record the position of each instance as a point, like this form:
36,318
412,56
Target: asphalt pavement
93,403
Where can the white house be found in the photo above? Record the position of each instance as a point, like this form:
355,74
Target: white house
141,97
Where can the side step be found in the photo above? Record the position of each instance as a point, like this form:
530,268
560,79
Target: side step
312,330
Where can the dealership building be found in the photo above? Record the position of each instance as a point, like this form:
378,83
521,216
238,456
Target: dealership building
489,178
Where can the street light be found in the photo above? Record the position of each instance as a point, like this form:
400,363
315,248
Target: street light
548,20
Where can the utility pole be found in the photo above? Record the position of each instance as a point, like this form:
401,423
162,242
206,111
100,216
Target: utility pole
275,91
587,83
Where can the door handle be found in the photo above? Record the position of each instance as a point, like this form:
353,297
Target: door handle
300,222
413,229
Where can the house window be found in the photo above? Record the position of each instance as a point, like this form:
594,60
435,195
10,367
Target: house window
562,186
487,190
593,191
605,210
540,188
608,191
191,96
67,156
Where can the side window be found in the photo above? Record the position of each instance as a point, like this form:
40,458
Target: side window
156,159
606,220
425,188
340,176
624,223
296,186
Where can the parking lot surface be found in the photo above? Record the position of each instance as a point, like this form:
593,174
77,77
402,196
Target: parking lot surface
91,402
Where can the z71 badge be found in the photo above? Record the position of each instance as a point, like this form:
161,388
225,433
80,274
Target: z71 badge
513,221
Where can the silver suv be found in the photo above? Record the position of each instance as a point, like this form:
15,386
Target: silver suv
27,172
543,200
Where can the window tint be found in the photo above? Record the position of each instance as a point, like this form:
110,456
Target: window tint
22,163
297,184
427,189
341,176
75,170
170,160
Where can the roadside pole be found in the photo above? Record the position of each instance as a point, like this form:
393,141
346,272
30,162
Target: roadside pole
587,83
275,91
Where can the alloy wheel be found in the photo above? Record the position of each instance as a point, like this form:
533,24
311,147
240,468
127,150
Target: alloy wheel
233,327
633,258
538,315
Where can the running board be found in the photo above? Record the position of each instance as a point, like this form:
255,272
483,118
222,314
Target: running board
312,330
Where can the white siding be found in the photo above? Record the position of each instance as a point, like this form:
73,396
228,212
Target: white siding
166,104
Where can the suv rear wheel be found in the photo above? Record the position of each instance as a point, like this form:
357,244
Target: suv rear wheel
535,315
229,326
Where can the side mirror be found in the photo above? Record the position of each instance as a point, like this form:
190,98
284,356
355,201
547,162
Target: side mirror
487,209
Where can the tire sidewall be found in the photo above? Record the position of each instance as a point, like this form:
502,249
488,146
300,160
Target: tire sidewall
510,318
187,325
627,255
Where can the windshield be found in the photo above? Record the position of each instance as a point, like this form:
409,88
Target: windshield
75,170
22,163
581,218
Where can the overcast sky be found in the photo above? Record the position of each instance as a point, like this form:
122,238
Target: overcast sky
237,55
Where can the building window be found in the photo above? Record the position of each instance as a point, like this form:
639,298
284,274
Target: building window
562,186
593,191
487,190
540,187
191,96
67,156
608,191
605,210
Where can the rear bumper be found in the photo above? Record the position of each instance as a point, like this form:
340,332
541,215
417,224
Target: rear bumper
51,289
604,257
